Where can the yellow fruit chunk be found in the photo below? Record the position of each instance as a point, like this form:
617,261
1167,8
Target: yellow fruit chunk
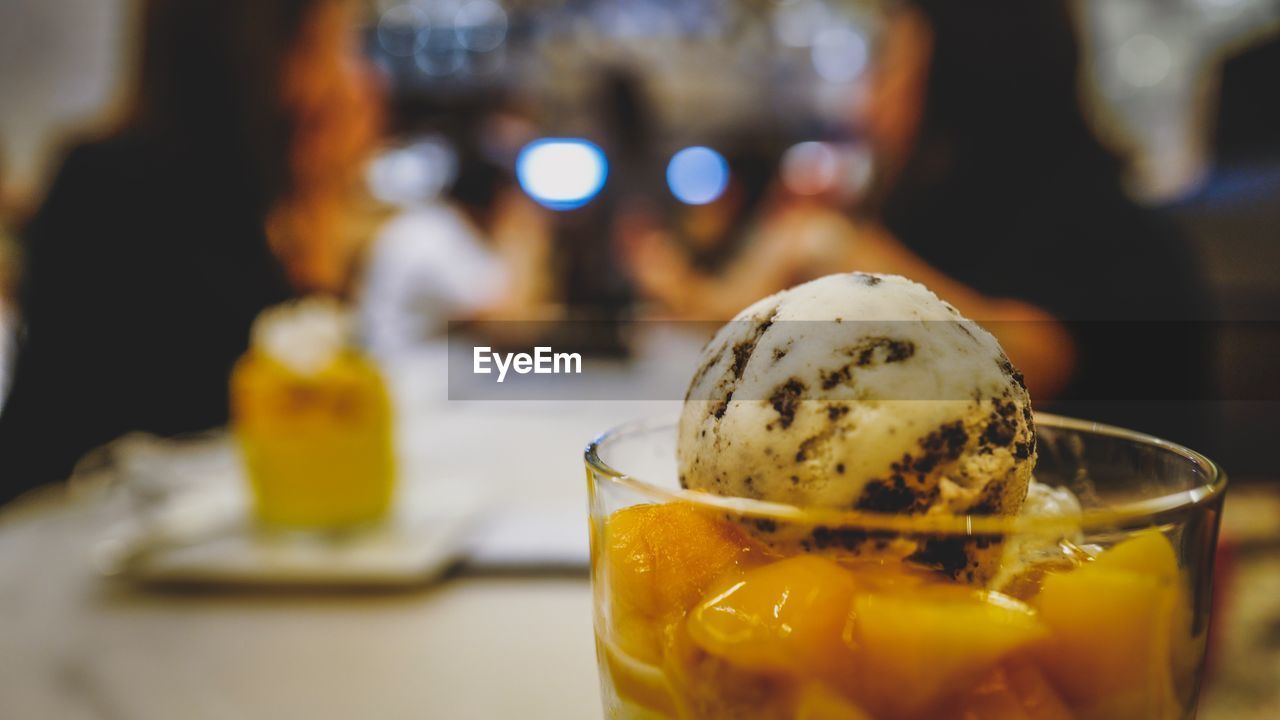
1112,624
912,649
1150,553
1038,697
818,702
1147,553
638,683
662,558
709,687
789,616
638,635
659,561
1016,690
892,577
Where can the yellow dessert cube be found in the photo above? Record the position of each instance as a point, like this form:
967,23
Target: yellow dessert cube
660,560
318,447
915,648
789,616
1113,624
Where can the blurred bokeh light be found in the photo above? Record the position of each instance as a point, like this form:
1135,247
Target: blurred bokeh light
562,173
697,175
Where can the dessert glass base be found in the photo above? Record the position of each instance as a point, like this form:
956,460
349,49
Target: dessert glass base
1095,614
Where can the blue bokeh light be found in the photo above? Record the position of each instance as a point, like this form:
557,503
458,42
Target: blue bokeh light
697,175
561,173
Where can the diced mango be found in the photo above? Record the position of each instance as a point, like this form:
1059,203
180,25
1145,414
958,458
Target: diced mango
892,576
1038,697
1015,690
662,558
1111,622
700,628
789,616
912,649
638,683
659,561
1146,553
640,636
708,687
1150,553
990,699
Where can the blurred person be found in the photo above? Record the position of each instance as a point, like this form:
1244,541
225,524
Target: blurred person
713,259
998,183
993,191
482,253
799,238
221,194
622,112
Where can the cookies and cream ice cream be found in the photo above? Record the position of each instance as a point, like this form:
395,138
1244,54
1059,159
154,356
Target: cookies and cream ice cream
860,392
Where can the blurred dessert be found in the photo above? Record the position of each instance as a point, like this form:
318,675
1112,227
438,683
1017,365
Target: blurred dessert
867,393
313,421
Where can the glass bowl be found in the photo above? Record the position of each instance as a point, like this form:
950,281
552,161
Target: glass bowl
1094,609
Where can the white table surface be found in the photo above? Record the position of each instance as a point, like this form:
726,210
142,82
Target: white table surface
75,645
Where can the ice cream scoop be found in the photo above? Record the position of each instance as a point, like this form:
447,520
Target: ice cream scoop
860,392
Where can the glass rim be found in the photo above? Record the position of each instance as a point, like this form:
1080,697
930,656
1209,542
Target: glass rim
1151,508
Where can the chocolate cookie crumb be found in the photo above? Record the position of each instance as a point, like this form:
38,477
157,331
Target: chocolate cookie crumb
885,496
881,350
945,443
1010,371
947,555
1000,432
849,538
743,350
766,525
786,399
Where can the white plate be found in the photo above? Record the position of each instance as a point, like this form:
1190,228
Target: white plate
199,530
418,543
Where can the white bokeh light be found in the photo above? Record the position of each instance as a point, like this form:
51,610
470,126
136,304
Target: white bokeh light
809,168
441,54
798,23
561,173
842,170
401,30
481,25
839,54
